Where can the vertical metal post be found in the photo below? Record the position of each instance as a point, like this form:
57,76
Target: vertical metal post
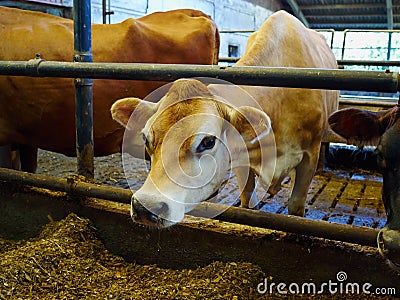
344,42
83,89
389,46
389,16
104,9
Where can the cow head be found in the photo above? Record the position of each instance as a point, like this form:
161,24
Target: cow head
382,129
193,139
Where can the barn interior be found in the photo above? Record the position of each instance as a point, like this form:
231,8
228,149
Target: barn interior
234,257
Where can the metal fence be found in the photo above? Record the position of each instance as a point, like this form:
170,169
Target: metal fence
330,37
85,70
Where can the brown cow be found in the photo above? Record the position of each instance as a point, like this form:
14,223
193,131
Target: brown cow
186,133
39,112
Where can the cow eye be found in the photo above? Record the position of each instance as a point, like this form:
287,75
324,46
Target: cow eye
207,143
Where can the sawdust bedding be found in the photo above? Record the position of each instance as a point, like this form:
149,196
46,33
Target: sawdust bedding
68,261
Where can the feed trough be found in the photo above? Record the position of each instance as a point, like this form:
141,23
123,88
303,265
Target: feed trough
284,256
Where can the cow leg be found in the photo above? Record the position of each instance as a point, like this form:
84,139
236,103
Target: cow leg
304,173
28,157
6,157
322,156
246,183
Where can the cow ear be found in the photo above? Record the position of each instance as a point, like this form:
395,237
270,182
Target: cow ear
122,110
250,122
359,127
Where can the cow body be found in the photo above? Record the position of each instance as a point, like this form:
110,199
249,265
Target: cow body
298,118
39,112
380,129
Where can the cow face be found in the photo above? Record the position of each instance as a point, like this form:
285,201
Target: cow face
193,139
381,129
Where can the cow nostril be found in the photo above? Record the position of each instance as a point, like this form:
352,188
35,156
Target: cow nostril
137,208
158,212
153,218
154,213
160,209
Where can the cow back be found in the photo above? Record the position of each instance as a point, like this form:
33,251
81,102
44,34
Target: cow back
40,111
283,41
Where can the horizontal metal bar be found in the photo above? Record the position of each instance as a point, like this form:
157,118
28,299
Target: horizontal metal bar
383,63
68,185
241,31
371,30
287,223
237,31
347,62
252,30
375,81
340,232
228,59
371,103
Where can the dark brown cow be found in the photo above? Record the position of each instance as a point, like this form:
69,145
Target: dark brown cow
39,112
381,129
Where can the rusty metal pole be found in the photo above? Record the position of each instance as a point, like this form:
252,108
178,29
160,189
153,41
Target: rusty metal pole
83,89
104,9
334,79
340,232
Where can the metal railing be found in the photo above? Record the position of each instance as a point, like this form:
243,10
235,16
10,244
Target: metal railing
334,79
389,43
342,61
341,232
331,31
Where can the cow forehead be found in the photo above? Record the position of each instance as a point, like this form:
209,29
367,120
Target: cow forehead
188,117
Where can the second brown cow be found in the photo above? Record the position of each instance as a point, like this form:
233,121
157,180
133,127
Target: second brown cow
39,112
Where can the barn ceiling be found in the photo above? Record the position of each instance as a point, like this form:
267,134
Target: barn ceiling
346,14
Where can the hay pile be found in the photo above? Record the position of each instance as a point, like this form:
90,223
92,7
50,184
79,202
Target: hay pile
67,261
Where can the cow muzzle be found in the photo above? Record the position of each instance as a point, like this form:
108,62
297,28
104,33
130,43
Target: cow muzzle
389,246
153,216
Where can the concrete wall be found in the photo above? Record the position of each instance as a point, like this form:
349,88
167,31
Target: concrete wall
228,15
122,9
